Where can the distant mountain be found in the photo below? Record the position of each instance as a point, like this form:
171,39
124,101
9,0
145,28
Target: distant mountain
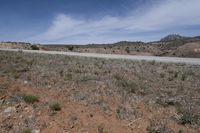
173,37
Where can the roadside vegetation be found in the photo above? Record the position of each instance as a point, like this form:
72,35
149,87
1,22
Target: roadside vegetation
30,98
55,106
136,95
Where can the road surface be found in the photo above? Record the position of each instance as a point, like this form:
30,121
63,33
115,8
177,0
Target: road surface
193,61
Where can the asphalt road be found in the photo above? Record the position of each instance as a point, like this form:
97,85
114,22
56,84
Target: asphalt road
193,61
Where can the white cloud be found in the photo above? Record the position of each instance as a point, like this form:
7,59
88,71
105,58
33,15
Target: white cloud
164,15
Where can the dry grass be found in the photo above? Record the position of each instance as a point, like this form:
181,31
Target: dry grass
117,87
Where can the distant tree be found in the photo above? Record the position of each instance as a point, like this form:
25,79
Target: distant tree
127,50
35,47
71,48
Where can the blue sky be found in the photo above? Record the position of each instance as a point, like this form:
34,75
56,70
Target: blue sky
96,21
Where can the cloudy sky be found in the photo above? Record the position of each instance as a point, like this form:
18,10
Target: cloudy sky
96,21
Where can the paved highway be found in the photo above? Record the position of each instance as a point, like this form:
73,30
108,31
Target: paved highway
193,61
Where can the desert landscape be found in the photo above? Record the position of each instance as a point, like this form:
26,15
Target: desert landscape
172,46
99,66
58,93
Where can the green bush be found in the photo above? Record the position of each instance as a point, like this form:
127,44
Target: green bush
128,85
71,48
158,127
188,118
35,47
127,49
101,129
30,98
181,131
26,131
55,106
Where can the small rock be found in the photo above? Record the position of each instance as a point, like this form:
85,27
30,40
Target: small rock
91,115
10,109
26,108
2,101
39,113
18,105
35,131
25,82
8,116
72,126
30,117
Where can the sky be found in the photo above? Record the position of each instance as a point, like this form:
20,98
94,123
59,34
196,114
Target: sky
96,21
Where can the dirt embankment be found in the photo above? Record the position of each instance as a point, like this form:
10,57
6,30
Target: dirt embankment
189,50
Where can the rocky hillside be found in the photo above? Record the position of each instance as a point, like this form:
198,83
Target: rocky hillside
172,37
188,50
167,46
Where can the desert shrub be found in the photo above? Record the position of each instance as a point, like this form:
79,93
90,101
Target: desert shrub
170,78
125,113
128,85
153,62
176,75
71,48
30,98
28,130
20,51
29,77
162,75
188,118
101,129
158,127
166,101
68,76
29,62
86,78
16,75
110,46
183,77
55,106
189,115
4,86
118,77
131,87
121,112
35,47
61,72
127,50
181,131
